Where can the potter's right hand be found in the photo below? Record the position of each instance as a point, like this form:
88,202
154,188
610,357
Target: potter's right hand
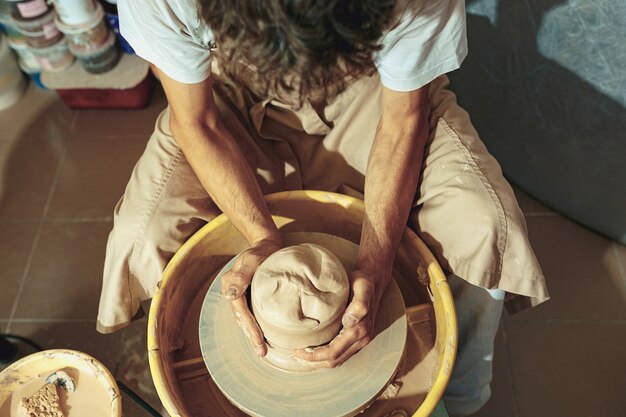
235,282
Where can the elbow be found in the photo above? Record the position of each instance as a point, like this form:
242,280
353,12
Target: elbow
187,127
404,133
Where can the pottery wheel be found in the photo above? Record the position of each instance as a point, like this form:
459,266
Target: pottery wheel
261,390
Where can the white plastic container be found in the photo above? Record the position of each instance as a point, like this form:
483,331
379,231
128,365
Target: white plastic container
75,12
23,52
12,82
34,74
87,36
9,71
55,57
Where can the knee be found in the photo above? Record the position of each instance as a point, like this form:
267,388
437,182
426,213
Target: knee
460,217
126,221
483,216
139,250
131,231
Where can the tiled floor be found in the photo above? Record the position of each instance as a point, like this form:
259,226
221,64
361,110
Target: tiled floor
62,171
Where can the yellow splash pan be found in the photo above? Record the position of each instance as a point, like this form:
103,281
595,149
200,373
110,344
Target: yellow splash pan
178,371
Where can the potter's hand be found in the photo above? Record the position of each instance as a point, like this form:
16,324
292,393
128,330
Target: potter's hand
358,321
235,283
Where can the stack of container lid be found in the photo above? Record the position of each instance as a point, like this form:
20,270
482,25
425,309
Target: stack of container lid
27,60
34,19
89,38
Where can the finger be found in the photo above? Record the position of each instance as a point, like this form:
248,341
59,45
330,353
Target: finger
237,279
362,294
248,324
333,363
339,345
350,352
234,284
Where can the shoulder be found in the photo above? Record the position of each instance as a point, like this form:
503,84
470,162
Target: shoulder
426,38
402,9
178,16
170,35
408,12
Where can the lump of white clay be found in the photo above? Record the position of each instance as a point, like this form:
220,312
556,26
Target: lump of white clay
299,295
63,380
43,403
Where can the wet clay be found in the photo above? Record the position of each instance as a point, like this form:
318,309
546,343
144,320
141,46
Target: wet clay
43,403
89,399
299,295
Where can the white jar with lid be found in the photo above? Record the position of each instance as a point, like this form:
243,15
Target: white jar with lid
75,12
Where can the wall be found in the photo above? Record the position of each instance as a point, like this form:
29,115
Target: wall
545,85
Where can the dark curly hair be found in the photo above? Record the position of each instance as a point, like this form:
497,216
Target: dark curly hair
296,49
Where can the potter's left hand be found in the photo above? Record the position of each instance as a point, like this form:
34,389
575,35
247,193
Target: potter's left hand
358,321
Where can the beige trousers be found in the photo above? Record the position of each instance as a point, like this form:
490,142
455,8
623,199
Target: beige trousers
464,209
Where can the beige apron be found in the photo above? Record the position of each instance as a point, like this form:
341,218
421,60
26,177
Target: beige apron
464,209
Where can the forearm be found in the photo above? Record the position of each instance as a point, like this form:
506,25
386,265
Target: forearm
391,180
225,173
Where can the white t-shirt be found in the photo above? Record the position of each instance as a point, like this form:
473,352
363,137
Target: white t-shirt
170,35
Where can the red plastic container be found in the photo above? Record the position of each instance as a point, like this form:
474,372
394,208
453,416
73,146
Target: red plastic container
127,86
96,98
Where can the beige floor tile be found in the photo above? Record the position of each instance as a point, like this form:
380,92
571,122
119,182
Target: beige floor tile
78,336
502,402
115,123
528,204
27,170
582,272
16,240
93,177
38,115
573,370
65,277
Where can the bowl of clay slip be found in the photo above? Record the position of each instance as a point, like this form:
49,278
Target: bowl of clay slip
298,297
94,392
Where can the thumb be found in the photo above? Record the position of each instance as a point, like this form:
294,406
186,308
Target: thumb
236,281
362,294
